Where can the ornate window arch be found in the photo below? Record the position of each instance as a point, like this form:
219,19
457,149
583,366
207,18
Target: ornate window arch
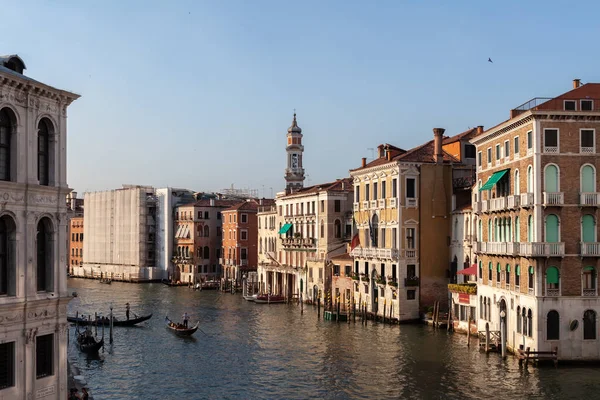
45,250
8,150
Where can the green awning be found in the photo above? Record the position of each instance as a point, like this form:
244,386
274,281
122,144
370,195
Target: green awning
496,176
552,275
284,229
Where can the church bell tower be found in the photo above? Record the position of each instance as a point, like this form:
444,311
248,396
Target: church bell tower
294,173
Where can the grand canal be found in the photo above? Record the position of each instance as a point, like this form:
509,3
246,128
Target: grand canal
250,351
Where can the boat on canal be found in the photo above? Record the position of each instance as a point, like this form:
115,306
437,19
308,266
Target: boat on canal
171,283
106,321
106,281
180,329
269,299
87,343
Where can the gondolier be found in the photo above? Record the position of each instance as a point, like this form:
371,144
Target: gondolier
185,319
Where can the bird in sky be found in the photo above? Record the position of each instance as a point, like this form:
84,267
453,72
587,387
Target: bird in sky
490,60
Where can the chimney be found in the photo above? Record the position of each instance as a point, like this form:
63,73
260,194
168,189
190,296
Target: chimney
380,151
576,83
364,162
212,202
479,128
389,155
438,134
343,185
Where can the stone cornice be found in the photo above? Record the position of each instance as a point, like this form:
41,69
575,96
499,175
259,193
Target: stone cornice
25,85
504,128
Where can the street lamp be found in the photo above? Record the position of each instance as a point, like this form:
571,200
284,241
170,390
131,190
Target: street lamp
502,332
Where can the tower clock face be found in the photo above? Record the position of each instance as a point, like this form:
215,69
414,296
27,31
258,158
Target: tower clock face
294,160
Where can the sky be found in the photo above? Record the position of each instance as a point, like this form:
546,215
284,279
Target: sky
199,95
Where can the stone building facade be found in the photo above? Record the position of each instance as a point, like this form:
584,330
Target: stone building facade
75,249
537,203
33,235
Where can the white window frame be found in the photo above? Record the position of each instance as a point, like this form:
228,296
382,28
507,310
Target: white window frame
242,218
242,231
581,102
489,156
516,147
581,176
569,101
517,183
529,136
414,199
557,140
498,152
479,159
414,237
593,136
507,149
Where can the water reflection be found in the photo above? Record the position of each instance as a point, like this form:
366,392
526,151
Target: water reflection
255,351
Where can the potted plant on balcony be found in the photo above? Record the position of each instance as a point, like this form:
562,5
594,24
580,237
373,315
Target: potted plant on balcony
380,280
355,276
392,281
411,281
364,278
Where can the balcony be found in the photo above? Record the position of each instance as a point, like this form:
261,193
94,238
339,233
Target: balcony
526,200
243,263
410,253
412,201
551,149
589,199
381,203
411,282
373,204
499,248
542,249
372,252
477,207
365,205
590,249
552,292
589,293
298,242
513,202
356,206
498,204
393,202
554,199
485,206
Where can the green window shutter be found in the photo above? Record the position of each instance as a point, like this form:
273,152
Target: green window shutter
498,267
507,267
551,179
490,265
587,179
589,268
552,228
588,229
531,270
518,270
552,275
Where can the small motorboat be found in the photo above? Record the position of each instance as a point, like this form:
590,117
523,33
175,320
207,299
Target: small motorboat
87,343
106,281
106,321
269,299
180,329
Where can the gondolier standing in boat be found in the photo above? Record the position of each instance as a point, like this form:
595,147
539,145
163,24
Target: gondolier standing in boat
185,319
127,311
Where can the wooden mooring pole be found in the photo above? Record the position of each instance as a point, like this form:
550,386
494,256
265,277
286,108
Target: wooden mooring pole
110,329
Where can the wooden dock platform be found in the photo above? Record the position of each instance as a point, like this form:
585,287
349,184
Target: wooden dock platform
537,356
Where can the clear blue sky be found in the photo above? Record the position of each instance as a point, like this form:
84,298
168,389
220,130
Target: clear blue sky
200,94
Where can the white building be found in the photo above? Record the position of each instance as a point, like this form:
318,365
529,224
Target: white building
33,226
120,235
267,240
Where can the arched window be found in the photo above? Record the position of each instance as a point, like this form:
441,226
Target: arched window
187,251
44,132
495,237
552,281
337,227
455,230
530,277
530,229
552,231
490,273
589,325
551,184
322,229
517,229
44,256
179,251
467,227
530,322
374,230
498,273
507,274
588,181
481,307
485,308
517,275
552,326
509,235
206,231
489,232
517,183
524,318
7,123
589,281
206,253
480,232
519,319
480,270
529,180
260,245
489,309
8,268
588,230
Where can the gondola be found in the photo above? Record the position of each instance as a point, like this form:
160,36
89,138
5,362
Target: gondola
106,281
171,283
179,330
87,344
269,299
106,321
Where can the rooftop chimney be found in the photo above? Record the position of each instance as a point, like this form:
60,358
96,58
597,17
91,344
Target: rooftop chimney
479,128
212,202
438,134
576,83
389,155
364,162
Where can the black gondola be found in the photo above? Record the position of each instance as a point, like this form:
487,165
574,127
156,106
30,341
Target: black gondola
106,321
87,344
179,329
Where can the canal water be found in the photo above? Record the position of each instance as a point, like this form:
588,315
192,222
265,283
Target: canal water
252,351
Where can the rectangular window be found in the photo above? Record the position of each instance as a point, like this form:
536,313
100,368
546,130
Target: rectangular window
244,254
374,190
322,206
383,193
244,234
570,105
506,149
81,237
7,365
394,276
357,194
587,105
551,140
230,218
367,192
336,270
44,356
410,294
348,270
199,214
337,205
234,217
479,159
489,155
411,271
394,238
516,146
313,207
497,152
72,237
356,267
529,140
469,151
410,238
219,214
394,187
206,216
587,141
382,271
410,188
244,218
366,268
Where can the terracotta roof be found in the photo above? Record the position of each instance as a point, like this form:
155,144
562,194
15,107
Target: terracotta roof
464,135
330,186
206,203
424,154
249,205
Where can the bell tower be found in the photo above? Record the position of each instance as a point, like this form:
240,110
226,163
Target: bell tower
294,173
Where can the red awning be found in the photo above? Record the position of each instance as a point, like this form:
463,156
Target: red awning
472,270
